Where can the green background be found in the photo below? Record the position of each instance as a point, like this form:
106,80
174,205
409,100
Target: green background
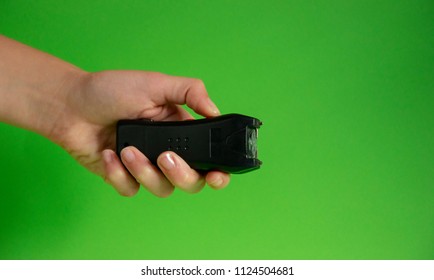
346,93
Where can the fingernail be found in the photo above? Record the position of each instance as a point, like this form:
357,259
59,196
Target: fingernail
168,162
107,156
212,107
128,155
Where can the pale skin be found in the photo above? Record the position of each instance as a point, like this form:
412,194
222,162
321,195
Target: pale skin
78,110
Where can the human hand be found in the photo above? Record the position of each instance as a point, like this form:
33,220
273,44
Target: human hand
79,111
95,102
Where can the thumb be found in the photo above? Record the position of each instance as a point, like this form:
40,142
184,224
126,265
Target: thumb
189,91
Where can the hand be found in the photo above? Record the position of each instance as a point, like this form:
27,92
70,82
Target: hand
95,102
79,111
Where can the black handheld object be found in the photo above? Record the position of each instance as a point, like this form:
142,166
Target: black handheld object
227,143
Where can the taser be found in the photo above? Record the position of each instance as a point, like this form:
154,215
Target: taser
227,143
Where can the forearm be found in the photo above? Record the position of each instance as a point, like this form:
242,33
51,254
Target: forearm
34,87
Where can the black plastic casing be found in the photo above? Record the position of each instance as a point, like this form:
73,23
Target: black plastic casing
226,143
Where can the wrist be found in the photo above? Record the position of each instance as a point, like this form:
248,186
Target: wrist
59,123
35,89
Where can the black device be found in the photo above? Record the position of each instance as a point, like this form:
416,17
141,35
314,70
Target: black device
227,143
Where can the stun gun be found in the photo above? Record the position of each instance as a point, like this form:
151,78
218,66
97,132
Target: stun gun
227,143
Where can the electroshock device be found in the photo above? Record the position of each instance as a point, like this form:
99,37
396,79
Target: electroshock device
227,143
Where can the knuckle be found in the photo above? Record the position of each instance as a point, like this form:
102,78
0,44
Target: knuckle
184,180
194,186
127,192
124,189
150,179
198,82
144,175
196,91
198,85
165,193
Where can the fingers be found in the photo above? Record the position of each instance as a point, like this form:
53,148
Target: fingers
217,180
174,171
179,173
146,173
117,176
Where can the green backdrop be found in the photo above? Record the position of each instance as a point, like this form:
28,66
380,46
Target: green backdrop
346,93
